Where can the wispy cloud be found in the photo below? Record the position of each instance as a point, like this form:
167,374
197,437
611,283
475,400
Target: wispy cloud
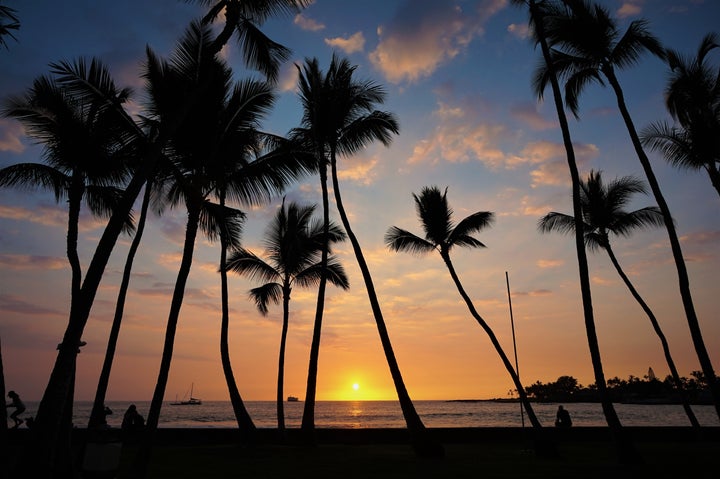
10,134
426,34
14,304
307,23
17,262
354,43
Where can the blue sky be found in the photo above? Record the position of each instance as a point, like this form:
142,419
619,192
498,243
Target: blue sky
458,77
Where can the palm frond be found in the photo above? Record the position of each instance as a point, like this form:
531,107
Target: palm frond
266,294
398,239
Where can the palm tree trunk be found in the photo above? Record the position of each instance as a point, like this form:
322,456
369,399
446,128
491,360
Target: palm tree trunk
97,415
142,459
422,443
714,175
308,418
683,278
661,335
281,359
39,454
625,448
242,416
544,446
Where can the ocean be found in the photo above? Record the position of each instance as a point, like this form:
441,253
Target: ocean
387,414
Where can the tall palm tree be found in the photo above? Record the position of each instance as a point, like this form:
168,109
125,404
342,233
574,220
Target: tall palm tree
315,132
441,235
693,100
539,12
592,48
604,214
350,117
8,22
244,19
218,125
293,243
77,115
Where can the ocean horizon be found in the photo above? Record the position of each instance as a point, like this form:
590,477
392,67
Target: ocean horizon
387,414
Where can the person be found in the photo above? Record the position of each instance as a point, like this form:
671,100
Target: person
132,420
17,403
106,412
562,418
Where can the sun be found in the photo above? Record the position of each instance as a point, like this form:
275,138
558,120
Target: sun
356,386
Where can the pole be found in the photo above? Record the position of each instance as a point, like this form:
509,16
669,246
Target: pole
512,325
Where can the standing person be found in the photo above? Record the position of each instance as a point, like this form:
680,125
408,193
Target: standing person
19,406
562,418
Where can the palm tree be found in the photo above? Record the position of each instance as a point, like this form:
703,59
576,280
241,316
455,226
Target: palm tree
351,123
693,100
604,214
592,49
77,115
293,244
441,235
245,18
8,22
539,12
218,125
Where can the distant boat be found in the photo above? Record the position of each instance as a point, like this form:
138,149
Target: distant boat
193,401
292,399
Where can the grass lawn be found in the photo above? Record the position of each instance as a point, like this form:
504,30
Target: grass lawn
586,460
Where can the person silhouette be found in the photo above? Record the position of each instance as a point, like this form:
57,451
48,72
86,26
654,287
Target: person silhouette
132,420
19,406
562,418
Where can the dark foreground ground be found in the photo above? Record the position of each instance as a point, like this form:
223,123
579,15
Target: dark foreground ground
583,452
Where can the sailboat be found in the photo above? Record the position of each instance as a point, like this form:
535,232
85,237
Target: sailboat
193,401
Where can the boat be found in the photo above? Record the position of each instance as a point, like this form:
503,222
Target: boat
292,399
193,401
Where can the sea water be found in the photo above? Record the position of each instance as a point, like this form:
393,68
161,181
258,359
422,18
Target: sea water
387,414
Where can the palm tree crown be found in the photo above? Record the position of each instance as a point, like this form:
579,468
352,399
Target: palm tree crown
603,211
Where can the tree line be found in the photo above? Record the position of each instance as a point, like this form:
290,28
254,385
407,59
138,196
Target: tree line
648,389
199,145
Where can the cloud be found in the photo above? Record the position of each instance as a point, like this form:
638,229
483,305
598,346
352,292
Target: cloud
10,134
14,304
528,113
461,136
521,31
355,43
551,159
16,262
426,34
308,24
630,8
361,171
550,263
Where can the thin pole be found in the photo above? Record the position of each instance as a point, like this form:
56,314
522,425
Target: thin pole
512,324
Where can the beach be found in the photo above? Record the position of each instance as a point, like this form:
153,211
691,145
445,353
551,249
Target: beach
587,452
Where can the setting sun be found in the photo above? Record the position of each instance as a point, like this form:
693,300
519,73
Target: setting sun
356,386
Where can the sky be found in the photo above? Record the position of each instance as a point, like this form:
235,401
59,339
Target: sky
458,77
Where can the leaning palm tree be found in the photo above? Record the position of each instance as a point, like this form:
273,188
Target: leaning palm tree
218,118
693,100
77,115
590,47
539,13
355,123
293,243
244,19
8,22
604,215
441,235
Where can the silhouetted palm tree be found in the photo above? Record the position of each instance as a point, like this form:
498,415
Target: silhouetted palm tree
539,12
218,119
441,235
8,22
77,114
592,48
355,123
293,245
244,19
604,214
693,100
